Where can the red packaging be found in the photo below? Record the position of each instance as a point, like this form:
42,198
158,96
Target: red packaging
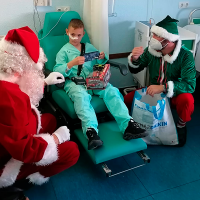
99,78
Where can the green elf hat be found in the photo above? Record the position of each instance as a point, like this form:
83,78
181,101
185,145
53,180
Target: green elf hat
167,28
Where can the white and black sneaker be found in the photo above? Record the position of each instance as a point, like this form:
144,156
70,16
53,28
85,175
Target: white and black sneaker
133,131
94,140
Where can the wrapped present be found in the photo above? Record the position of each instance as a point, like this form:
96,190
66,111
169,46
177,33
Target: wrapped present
99,78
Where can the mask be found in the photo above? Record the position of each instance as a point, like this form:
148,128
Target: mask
73,38
156,45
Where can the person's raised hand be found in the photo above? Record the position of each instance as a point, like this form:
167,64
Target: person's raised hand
137,52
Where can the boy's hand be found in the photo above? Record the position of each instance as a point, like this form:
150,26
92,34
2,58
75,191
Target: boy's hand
77,61
137,52
154,89
102,55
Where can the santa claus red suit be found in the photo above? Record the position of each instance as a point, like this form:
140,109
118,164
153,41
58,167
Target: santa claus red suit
30,147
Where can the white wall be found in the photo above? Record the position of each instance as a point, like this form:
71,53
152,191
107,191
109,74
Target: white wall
121,28
18,13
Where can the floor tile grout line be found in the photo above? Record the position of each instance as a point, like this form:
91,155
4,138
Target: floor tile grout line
175,187
136,176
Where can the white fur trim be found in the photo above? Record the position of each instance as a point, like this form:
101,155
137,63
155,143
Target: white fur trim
38,117
161,32
130,63
37,178
51,152
170,91
154,52
10,172
39,66
42,59
12,48
18,50
171,59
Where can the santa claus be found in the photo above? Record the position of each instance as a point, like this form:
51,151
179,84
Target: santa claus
30,148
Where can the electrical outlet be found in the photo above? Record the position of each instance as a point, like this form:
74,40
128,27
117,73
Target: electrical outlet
184,4
63,8
43,2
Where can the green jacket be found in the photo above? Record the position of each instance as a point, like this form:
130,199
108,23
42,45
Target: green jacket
178,71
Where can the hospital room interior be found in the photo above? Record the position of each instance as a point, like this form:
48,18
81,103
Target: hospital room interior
99,100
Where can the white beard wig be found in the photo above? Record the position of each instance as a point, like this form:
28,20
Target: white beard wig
32,83
15,59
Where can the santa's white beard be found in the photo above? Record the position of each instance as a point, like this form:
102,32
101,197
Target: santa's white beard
32,83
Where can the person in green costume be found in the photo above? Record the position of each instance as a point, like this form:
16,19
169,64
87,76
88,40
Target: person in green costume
171,70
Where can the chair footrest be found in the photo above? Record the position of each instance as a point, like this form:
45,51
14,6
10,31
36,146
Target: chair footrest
114,145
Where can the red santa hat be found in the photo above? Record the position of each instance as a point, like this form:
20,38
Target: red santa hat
23,42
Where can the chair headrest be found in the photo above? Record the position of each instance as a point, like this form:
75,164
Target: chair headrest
52,18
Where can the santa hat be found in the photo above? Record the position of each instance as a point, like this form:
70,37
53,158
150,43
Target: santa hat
167,28
23,42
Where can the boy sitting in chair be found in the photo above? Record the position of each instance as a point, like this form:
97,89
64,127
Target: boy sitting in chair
67,61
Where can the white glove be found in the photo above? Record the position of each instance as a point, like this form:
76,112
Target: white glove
54,78
62,134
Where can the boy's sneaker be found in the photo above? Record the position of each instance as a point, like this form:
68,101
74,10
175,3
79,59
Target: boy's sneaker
94,140
182,136
133,131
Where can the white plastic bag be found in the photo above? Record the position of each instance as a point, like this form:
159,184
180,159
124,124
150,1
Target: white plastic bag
154,115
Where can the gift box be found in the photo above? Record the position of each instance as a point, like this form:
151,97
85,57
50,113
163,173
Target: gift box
99,78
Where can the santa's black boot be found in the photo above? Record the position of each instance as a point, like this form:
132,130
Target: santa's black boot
94,140
182,136
133,131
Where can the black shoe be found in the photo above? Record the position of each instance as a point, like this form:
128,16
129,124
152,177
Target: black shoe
23,184
133,131
11,193
182,136
94,140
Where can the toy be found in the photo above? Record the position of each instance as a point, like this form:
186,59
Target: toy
99,78
91,56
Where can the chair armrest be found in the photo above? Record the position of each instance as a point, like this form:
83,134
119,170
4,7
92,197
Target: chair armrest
47,72
122,67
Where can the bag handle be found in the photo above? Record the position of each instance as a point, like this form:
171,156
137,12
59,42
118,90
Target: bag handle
82,54
162,107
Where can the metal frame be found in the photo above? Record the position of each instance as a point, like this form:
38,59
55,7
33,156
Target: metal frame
190,15
142,155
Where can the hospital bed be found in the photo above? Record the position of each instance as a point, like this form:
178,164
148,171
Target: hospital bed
194,26
52,38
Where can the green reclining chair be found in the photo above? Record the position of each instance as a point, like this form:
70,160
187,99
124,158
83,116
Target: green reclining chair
51,40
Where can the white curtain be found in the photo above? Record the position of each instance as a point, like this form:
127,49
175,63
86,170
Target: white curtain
95,18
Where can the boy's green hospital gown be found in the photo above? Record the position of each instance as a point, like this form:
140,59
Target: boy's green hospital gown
81,97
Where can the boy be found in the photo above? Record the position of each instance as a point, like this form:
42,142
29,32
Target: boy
67,61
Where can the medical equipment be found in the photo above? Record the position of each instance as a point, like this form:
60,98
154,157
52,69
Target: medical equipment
114,144
194,26
190,21
52,28
73,38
